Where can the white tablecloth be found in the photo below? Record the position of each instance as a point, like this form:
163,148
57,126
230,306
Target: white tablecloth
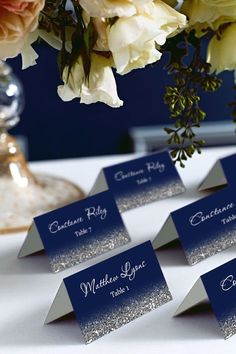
27,287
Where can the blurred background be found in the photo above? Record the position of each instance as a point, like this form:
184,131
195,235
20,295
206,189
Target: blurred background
52,129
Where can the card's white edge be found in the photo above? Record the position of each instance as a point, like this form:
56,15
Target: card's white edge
214,178
100,184
61,305
196,295
167,234
32,242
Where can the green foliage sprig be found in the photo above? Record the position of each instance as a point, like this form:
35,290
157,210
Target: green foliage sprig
83,41
183,96
55,18
187,65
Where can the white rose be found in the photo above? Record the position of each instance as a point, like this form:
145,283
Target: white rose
132,43
132,40
111,8
203,13
100,86
221,52
169,21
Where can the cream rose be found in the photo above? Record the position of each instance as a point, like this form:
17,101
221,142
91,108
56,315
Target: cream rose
100,86
112,8
221,52
203,13
132,43
101,29
18,18
133,40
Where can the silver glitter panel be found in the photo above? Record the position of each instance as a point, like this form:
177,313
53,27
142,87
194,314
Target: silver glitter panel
149,195
92,248
120,315
210,247
228,326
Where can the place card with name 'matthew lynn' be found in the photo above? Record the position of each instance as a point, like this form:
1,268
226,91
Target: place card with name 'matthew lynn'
204,228
77,232
140,181
112,293
219,287
222,173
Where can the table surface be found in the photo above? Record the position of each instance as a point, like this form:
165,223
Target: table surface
27,287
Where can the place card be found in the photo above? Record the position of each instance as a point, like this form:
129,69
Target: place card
112,293
140,181
222,173
219,288
204,228
77,232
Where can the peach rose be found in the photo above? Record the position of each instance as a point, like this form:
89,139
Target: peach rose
18,18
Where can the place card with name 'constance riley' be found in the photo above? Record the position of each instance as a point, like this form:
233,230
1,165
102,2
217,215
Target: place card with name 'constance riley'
219,288
112,293
77,232
204,228
140,181
222,173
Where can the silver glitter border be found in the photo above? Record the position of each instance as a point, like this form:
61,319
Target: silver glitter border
120,315
211,247
149,195
228,326
92,248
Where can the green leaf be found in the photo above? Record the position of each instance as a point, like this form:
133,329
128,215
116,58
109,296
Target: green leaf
191,74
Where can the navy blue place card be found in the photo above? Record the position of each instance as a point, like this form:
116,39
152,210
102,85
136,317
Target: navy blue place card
223,172
77,232
140,181
204,228
219,287
112,293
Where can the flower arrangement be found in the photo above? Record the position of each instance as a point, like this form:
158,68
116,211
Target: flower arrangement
96,38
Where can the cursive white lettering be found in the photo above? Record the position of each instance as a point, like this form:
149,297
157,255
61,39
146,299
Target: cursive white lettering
55,226
93,286
128,271
228,283
200,217
121,175
228,219
96,212
155,166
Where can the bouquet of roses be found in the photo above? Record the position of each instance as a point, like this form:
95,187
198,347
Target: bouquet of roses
96,38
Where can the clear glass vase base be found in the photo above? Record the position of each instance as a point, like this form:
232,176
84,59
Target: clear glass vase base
19,205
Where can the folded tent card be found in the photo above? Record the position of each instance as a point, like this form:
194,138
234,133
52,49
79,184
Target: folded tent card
222,173
219,288
112,293
140,181
204,228
77,232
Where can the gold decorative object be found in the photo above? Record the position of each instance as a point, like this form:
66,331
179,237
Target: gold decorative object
23,195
